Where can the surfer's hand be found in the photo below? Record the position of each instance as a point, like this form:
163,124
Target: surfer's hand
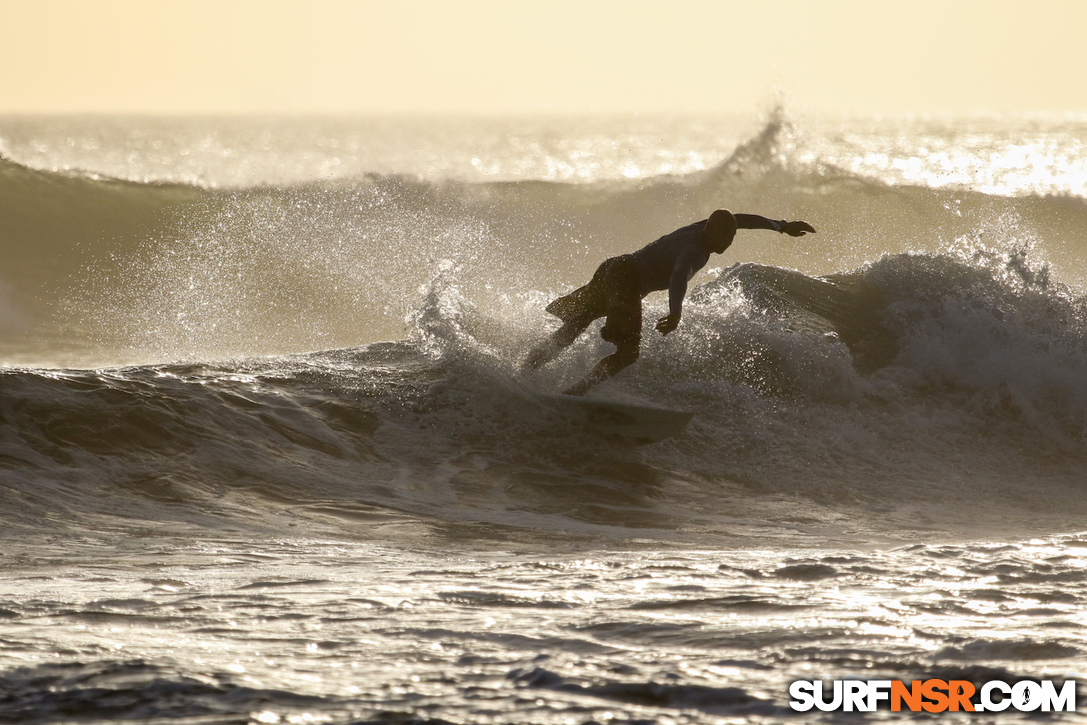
667,324
797,229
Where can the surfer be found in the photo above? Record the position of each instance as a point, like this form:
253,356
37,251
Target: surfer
620,283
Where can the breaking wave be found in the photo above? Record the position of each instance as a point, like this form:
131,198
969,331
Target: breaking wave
343,353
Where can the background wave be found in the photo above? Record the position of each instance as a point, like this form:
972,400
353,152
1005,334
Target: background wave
112,271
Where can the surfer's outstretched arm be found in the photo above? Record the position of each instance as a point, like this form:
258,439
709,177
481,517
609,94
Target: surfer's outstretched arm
677,290
754,221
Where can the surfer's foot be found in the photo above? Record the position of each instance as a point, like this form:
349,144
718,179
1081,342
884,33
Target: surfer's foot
530,364
579,388
536,360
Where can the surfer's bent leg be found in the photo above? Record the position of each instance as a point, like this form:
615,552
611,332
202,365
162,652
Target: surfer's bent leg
555,343
623,326
577,311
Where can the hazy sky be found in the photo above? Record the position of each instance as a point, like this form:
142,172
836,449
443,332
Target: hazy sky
558,56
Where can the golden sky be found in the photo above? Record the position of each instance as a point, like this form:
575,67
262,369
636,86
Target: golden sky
550,56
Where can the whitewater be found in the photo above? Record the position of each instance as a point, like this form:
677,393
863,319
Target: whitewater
266,455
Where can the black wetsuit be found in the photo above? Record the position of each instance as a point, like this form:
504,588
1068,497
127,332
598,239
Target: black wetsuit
620,283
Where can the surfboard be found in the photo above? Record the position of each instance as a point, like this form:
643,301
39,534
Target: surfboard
629,421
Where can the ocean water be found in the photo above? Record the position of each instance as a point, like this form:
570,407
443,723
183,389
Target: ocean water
265,455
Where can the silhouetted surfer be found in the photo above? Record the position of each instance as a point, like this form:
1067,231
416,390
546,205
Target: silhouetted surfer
619,284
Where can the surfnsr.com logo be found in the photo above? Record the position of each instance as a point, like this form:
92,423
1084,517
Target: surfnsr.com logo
932,696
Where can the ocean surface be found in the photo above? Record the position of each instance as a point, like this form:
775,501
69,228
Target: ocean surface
266,457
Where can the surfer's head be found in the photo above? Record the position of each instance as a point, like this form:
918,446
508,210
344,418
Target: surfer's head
720,230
